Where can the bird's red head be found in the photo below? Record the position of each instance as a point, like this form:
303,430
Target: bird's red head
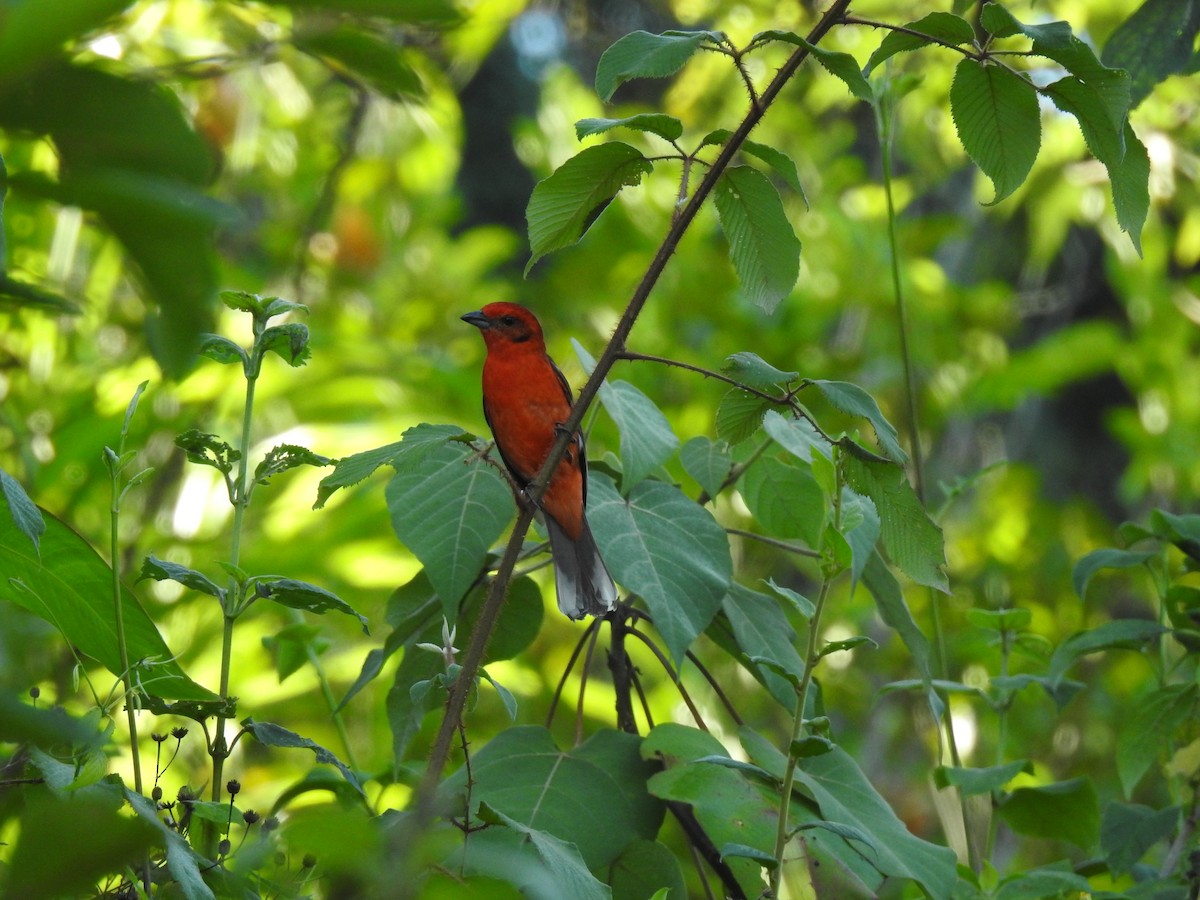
506,323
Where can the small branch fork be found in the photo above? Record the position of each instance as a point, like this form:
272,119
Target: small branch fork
426,807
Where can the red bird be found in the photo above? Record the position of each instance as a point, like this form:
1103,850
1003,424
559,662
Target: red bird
526,401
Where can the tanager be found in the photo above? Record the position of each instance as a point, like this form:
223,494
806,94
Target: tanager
526,401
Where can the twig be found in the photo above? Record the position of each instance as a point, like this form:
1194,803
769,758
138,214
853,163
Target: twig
717,689
562,682
774,542
666,664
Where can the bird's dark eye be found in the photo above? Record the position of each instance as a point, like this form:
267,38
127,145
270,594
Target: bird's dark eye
509,320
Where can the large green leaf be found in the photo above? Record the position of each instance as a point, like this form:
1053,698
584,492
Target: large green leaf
707,461
448,507
564,205
563,872
666,549
764,248
913,541
645,868
183,863
766,639
1125,634
647,440
854,401
1107,558
889,600
644,55
1128,830
70,587
785,499
593,796
1065,811
1160,713
1157,41
937,27
1131,187
354,50
997,118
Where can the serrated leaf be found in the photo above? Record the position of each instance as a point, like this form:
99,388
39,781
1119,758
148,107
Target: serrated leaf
762,245
665,548
854,401
289,342
782,164
1105,139
24,512
933,28
762,631
1157,41
208,450
797,436
242,301
448,506
221,350
666,127
644,55
996,115
564,205
707,461
894,611
196,710
1131,188
913,541
164,570
183,863
751,369
417,441
739,415
301,595
840,65
282,457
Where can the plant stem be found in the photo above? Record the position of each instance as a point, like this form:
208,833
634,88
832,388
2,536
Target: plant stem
123,647
220,749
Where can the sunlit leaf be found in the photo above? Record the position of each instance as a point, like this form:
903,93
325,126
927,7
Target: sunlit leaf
764,248
644,55
1157,41
933,28
1065,811
272,735
666,127
24,512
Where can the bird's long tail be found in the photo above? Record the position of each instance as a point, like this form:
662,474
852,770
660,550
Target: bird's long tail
584,586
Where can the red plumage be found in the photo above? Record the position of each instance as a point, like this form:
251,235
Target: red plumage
526,400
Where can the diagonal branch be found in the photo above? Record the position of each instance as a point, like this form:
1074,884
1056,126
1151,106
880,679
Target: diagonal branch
490,612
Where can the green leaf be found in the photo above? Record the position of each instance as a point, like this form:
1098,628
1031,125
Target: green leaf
729,806
1128,830
289,342
782,164
739,415
647,440
889,600
14,292
1048,881
797,436
593,796
980,781
764,248
840,65
414,12
996,115
913,541
35,30
1000,620
666,127
799,602
1182,531
271,735
1160,713
564,205
353,469
666,549
854,401
164,570
707,461
183,863
847,644
24,512
936,27
351,50
861,528
643,867
102,842
70,586
1154,43
751,369
1131,188
448,506
785,499
1125,634
196,710
1065,811
762,631
645,55
222,350
845,796
1108,558
282,457
208,450
302,595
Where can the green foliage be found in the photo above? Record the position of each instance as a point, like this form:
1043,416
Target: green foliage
1039,367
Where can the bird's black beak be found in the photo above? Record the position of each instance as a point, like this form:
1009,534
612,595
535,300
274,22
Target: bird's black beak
478,319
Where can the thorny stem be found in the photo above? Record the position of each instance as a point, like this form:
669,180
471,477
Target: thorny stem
425,806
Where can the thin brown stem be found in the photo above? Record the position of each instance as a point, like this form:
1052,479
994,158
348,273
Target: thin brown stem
670,669
717,689
562,682
775,542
